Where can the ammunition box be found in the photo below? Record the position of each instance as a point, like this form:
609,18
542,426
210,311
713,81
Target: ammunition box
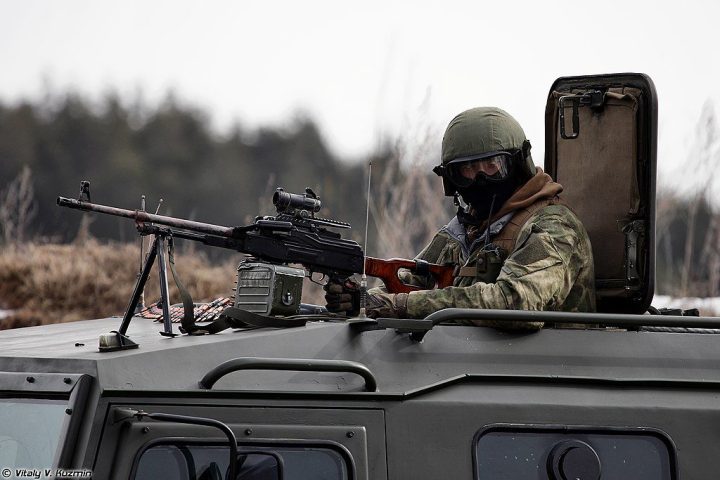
268,289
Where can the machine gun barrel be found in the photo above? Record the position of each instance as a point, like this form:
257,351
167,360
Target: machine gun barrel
143,217
270,239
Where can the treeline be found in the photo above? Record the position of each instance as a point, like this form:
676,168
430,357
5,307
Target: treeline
169,152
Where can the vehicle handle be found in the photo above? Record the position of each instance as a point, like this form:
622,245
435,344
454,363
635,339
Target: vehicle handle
292,364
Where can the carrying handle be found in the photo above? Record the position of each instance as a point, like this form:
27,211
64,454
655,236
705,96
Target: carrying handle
292,364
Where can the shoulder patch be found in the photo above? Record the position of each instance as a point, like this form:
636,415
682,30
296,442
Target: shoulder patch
436,249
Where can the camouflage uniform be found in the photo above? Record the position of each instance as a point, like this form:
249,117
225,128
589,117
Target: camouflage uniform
550,268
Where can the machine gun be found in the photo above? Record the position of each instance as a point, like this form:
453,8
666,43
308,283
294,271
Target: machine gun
267,284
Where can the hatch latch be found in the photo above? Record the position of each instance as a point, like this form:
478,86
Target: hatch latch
594,99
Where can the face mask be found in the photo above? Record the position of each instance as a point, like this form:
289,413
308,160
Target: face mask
487,197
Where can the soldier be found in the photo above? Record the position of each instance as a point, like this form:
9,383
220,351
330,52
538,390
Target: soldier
514,242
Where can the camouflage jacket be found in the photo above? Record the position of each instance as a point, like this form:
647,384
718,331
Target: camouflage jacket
550,267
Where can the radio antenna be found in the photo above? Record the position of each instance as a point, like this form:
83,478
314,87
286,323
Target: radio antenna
141,303
363,281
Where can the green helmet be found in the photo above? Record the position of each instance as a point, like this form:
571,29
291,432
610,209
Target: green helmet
479,134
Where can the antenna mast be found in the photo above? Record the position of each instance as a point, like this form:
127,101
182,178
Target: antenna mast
363,281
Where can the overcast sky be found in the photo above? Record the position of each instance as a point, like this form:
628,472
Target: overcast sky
361,68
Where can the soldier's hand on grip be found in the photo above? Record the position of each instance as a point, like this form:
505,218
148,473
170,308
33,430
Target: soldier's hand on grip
343,296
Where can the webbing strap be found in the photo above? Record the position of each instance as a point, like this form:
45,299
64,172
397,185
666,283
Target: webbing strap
507,237
233,317
188,321
251,319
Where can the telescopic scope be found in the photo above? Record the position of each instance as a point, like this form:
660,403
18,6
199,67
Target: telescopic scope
287,202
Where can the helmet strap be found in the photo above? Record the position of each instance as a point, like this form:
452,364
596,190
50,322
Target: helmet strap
526,149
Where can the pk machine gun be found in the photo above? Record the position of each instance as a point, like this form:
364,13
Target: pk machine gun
267,282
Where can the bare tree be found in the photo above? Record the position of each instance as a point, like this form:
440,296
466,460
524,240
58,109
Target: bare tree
711,252
666,214
17,208
703,160
408,205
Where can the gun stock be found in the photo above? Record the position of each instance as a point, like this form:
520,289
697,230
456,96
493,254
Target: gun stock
387,271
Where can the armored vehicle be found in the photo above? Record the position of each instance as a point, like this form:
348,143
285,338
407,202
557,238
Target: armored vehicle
615,395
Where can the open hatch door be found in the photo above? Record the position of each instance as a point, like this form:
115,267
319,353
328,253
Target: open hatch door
601,145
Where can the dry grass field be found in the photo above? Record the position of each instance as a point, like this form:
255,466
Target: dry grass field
46,283
50,283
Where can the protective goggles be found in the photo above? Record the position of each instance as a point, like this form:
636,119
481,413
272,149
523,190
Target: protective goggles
463,172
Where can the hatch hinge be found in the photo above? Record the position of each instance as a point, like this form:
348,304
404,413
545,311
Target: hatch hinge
633,232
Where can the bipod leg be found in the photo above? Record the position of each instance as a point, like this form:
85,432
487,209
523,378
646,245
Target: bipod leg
164,291
118,340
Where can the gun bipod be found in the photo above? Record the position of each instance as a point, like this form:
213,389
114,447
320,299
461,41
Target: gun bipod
118,340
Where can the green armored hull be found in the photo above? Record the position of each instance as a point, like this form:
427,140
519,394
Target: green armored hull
463,403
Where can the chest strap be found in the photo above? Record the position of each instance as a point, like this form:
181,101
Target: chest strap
507,237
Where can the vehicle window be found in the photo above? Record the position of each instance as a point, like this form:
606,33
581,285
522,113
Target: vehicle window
29,431
526,453
196,462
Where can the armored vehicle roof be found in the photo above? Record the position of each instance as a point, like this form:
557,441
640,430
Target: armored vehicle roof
401,366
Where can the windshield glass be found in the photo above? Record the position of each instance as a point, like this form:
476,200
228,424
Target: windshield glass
187,461
30,431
